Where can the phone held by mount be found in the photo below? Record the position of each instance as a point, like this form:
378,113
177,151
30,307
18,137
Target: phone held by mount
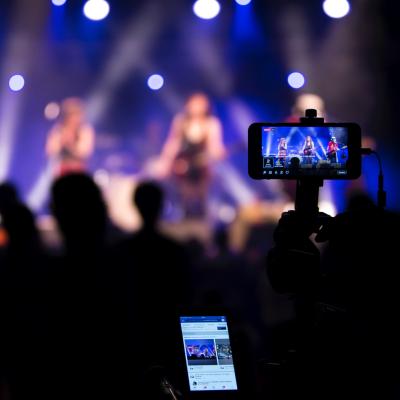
304,150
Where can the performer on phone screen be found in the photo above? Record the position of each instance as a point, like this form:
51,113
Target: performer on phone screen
331,150
193,144
282,148
282,151
70,142
308,147
308,150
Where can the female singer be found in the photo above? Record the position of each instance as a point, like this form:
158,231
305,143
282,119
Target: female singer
193,144
282,148
71,140
308,147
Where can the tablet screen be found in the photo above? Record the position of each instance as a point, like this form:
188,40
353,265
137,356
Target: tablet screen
208,353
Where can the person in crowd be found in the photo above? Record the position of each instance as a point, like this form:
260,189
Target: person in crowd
81,301
24,311
346,300
152,282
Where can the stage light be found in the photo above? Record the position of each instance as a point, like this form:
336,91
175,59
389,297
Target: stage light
52,111
58,2
296,80
155,82
243,2
16,83
336,8
96,10
206,9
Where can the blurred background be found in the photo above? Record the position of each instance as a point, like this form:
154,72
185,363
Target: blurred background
134,63
130,67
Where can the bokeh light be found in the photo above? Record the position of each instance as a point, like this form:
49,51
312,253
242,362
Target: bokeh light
52,111
336,8
206,9
243,2
16,83
155,82
96,10
296,80
58,2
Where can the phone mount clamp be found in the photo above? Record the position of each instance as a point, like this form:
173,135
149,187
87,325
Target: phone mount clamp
307,189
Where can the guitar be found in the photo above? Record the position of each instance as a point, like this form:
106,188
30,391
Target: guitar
190,165
335,151
185,164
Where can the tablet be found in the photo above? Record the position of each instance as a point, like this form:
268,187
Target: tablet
208,354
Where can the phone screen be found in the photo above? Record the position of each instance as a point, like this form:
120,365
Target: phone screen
208,353
304,150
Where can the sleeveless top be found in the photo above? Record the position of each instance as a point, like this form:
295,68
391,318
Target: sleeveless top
191,162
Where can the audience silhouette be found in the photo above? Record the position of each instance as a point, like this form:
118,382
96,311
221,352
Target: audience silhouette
99,320
346,302
152,281
78,291
8,196
23,301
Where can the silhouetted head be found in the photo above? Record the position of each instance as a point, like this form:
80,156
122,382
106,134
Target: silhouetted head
19,223
79,208
360,202
8,195
149,198
221,238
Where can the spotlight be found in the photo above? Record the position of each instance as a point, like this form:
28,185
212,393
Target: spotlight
155,82
16,83
52,111
58,2
296,80
243,2
96,10
336,8
206,9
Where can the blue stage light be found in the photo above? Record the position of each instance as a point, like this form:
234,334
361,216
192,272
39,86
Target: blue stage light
296,80
96,10
336,8
155,82
16,83
206,9
243,2
58,2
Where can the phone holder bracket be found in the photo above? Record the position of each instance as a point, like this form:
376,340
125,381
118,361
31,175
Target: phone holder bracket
307,190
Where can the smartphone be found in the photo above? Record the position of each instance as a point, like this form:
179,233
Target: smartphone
302,151
208,355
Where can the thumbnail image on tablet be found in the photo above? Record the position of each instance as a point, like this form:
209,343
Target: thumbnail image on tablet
208,353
